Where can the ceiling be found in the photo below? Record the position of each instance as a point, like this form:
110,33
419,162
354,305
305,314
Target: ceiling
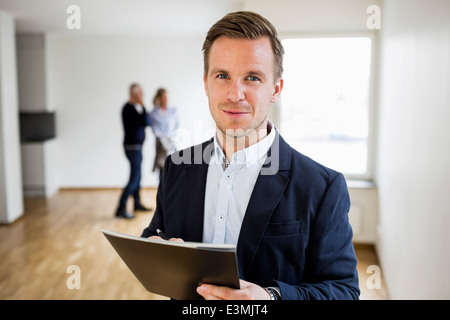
114,17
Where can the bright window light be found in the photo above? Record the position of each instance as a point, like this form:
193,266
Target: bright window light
324,108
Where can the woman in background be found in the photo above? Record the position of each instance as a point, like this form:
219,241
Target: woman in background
164,122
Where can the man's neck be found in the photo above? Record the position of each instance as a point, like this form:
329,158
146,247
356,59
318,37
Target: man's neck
231,144
133,101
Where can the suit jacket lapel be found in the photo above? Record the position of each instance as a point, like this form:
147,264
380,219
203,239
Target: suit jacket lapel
267,193
195,187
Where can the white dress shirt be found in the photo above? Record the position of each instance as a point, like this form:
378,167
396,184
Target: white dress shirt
228,190
139,108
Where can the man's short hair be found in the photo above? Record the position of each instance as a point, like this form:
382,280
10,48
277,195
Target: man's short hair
245,25
134,87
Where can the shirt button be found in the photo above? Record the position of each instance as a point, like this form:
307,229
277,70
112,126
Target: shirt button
220,217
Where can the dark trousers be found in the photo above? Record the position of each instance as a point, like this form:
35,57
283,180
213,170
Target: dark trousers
134,183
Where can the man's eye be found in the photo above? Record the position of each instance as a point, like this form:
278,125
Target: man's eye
222,76
253,78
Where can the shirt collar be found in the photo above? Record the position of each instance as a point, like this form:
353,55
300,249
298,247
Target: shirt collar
251,155
139,108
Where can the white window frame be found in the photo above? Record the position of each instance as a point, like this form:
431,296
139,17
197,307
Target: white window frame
275,115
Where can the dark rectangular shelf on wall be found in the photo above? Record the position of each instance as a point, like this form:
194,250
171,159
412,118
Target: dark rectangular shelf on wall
37,126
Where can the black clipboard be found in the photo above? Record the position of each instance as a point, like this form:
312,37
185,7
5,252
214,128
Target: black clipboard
175,269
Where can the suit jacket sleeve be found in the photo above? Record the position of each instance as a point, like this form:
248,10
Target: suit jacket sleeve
157,220
330,259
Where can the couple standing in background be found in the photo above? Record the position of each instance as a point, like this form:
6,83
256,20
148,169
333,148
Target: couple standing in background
164,121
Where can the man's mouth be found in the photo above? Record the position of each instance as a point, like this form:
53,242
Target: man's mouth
235,113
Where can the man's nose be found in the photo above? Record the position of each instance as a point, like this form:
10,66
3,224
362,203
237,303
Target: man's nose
236,91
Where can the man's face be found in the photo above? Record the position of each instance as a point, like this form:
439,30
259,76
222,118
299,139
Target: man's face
137,93
240,84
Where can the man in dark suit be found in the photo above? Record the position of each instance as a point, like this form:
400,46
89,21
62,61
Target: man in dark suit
286,214
134,119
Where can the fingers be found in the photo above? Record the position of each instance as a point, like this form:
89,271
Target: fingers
210,292
171,239
155,238
248,291
244,284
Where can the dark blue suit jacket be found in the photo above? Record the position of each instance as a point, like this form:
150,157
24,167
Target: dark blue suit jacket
295,233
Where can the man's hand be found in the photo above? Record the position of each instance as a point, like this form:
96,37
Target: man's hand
171,239
248,291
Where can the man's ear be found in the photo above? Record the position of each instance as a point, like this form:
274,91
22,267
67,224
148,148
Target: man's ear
205,85
277,89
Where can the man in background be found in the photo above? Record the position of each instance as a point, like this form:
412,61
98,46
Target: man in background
135,119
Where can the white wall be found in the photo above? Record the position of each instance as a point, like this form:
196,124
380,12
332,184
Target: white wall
363,214
413,154
39,160
31,69
90,76
11,203
307,16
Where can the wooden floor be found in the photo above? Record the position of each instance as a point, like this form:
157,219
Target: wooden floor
65,230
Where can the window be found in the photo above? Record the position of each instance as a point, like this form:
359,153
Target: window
325,105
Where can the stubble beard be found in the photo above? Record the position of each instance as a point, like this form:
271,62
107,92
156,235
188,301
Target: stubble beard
238,139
